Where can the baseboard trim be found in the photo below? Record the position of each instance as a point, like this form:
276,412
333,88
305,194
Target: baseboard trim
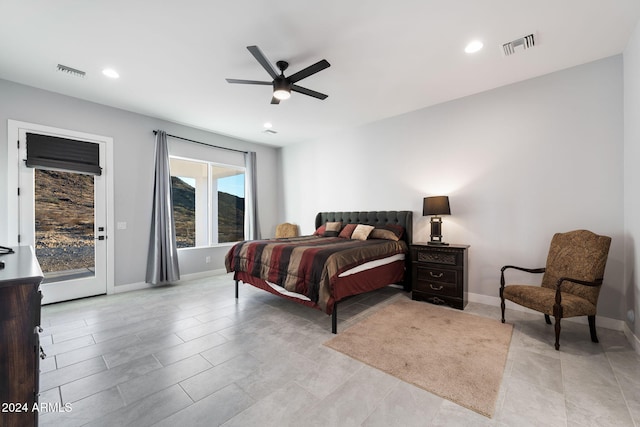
632,338
191,276
131,287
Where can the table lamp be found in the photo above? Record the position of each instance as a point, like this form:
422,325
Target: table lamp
436,206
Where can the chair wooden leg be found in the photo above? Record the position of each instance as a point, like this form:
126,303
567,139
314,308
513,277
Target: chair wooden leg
547,319
557,313
502,303
558,333
592,328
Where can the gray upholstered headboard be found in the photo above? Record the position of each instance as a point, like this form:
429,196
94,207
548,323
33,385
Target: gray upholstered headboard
375,218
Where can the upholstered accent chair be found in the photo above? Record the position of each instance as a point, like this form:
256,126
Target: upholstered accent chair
571,282
286,230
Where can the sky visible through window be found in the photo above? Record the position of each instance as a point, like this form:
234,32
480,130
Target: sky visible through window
231,184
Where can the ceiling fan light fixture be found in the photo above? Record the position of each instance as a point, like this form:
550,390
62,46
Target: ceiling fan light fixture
281,89
281,94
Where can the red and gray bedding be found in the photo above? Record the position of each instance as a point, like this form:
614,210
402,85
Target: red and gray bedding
308,265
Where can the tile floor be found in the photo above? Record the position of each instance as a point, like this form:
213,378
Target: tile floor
190,355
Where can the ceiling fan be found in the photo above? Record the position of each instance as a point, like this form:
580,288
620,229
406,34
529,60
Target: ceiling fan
282,86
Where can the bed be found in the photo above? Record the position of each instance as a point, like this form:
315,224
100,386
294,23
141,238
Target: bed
323,269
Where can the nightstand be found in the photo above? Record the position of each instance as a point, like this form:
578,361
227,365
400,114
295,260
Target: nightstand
439,274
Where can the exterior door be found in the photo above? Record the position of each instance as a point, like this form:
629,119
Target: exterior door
63,215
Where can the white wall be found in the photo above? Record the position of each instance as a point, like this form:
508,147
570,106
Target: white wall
631,290
133,164
518,163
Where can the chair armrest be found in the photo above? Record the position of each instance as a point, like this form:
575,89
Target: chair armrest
558,305
596,282
528,270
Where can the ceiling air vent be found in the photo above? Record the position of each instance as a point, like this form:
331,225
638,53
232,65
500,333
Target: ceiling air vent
522,43
71,71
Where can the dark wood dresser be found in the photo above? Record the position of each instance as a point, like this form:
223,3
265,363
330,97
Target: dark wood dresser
19,339
440,274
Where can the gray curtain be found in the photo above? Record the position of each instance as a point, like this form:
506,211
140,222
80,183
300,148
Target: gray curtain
251,228
162,263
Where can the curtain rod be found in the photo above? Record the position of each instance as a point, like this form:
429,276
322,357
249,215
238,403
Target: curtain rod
202,143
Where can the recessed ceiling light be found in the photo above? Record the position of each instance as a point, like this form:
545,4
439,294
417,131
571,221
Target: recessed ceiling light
473,46
111,73
268,125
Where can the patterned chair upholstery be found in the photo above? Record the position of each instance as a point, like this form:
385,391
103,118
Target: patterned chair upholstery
286,230
571,282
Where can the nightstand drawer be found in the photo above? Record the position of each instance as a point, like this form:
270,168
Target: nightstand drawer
427,273
442,256
436,288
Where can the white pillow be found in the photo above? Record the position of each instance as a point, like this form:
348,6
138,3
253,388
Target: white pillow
362,232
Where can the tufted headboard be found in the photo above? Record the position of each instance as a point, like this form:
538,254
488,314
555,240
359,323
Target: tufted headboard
375,218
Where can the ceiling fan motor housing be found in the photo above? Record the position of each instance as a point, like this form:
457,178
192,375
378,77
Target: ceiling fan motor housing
281,83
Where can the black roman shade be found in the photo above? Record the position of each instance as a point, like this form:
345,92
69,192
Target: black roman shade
51,152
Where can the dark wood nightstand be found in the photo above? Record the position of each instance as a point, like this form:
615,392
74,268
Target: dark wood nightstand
439,274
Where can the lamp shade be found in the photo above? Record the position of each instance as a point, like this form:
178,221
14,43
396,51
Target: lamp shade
438,205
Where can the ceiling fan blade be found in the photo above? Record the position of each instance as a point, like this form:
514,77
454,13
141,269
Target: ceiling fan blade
249,82
275,100
257,53
311,69
309,92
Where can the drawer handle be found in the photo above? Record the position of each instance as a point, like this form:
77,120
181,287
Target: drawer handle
437,276
439,288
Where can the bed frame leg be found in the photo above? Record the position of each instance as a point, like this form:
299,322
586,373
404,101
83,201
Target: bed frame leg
334,319
236,289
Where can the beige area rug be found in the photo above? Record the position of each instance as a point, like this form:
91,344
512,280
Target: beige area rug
457,356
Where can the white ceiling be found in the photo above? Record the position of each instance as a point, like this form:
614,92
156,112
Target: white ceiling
387,58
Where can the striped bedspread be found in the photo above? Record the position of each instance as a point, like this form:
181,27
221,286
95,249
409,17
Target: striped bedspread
307,265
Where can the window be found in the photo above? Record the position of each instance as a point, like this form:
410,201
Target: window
208,202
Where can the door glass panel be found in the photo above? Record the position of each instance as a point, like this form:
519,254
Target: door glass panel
64,224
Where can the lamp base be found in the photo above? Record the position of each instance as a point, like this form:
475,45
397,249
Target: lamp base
436,232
